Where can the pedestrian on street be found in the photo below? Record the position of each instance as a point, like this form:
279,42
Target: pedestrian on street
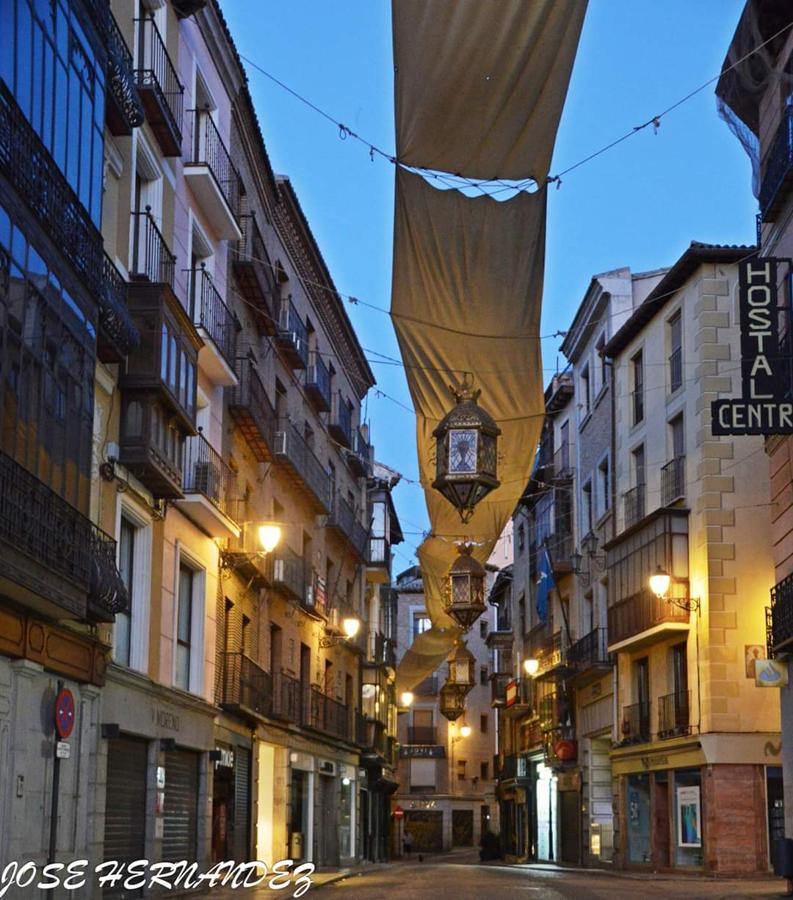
407,842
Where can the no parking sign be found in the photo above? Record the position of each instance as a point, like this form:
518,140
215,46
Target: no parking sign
64,713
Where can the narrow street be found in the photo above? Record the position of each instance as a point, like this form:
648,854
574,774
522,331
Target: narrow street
474,881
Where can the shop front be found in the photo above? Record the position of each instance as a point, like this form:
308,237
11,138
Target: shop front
546,818
231,796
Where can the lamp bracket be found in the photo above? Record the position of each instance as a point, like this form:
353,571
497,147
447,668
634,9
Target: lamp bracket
690,605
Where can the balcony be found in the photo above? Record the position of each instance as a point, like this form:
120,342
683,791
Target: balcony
643,619
247,688
511,766
673,714
117,336
254,274
561,467
550,650
288,573
318,382
498,688
299,462
52,557
212,177
560,549
777,169
633,505
123,107
552,710
635,726
422,734
360,456
673,481
781,629
208,484
42,187
340,420
519,698
217,325
292,335
343,521
379,557
159,88
327,715
383,652
251,410
428,687
589,656
287,698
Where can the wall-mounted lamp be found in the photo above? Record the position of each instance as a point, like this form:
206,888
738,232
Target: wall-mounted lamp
406,698
350,625
660,582
531,666
269,535
595,561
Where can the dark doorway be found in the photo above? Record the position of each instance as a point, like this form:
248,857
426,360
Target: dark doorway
660,806
570,827
462,828
426,829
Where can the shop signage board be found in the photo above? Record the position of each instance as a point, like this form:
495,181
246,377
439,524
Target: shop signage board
422,751
763,407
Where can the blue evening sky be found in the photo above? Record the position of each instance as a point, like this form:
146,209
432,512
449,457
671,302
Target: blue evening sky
638,205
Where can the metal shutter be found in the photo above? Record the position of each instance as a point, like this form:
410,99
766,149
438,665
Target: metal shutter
181,806
125,803
242,803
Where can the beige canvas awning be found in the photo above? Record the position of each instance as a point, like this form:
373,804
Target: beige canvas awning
466,296
480,84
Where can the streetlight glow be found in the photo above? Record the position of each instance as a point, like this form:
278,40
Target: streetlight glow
465,731
659,582
530,666
269,537
406,698
351,626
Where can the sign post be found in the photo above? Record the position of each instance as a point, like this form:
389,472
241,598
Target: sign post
64,715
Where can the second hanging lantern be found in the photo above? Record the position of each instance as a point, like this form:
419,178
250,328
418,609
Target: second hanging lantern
465,588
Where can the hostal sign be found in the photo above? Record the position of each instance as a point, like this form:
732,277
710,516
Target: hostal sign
763,408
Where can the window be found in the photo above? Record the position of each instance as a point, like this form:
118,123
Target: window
680,670
603,369
483,675
638,466
521,537
461,763
422,775
585,395
483,628
483,723
421,623
564,444
122,629
604,486
483,771
637,387
586,507
675,352
677,437
184,626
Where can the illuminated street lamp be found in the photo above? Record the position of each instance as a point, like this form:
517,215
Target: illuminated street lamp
462,668
269,536
465,588
659,582
531,666
351,626
452,702
406,698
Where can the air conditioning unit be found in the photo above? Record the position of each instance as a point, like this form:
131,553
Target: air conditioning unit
310,595
281,444
327,767
207,479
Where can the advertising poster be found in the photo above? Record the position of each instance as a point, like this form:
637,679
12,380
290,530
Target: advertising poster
689,819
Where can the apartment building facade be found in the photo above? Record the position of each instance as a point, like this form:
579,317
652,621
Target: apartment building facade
763,110
659,715
446,781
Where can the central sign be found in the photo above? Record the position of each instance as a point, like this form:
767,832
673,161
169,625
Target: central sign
422,751
762,408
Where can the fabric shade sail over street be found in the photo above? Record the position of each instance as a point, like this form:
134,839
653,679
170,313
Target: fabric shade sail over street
480,85
468,271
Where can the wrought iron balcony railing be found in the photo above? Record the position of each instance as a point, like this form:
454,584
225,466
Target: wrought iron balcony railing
255,274
293,449
318,382
208,311
673,714
118,334
207,148
360,456
123,107
675,369
246,686
562,464
55,537
673,481
340,420
251,409
151,259
590,651
379,552
287,698
498,688
206,472
777,175
292,335
636,723
634,504
782,614
327,715
288,572
422,734
343,519
159,87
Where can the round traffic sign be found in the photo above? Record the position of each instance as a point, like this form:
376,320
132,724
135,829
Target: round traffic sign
398,812
64,713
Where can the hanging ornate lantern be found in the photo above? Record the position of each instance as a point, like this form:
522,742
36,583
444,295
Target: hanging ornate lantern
462,668
466,443
452,702
465,589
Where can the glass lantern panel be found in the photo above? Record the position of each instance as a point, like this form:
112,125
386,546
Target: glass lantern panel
487,455
463,447
462,492
461,589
